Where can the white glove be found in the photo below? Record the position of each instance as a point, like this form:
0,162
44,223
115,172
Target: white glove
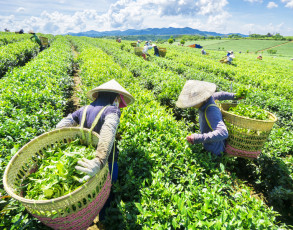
91,167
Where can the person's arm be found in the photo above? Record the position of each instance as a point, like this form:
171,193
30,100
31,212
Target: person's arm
107,137
71,120
224,96
219,132
67,122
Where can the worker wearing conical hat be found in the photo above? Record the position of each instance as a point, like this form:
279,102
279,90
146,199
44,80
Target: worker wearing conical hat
259,57
201,95
35,38
156,50
114,96
110,96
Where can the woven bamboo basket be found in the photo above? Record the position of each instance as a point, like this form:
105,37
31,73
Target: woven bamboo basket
44,41
246,136
74,211
138,51
133,44
162,52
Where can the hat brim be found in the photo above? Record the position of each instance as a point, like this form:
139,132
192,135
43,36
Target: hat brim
93,95
187,99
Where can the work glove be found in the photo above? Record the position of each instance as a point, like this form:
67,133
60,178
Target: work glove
91,167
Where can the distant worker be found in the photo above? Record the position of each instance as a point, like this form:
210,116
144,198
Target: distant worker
145,51
21,31
7,30
36,39
156,50
203,52
138,43
259,57
229,53
119,40
229,58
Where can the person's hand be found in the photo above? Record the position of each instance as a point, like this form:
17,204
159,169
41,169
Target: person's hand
190,138
241,93
91,167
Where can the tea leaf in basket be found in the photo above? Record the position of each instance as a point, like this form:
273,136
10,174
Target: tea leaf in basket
56,175
249,111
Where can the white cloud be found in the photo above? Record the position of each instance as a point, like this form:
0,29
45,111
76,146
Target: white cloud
132,14
8,22
20,9
289,3
264,29
218,22
211,6
136,13
272,5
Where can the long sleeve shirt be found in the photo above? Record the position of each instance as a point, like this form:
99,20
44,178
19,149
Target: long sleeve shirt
213,139
146,48
106,127
36,39
156,51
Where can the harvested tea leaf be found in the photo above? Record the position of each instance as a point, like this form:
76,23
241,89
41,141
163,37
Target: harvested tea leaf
249,111
56,174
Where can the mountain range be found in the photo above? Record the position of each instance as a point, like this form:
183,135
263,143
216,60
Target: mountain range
151,31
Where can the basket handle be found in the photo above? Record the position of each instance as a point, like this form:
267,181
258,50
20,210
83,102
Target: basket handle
113,160
82,121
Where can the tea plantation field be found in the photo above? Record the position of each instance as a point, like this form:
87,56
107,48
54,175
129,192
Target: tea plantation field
164,182
284,48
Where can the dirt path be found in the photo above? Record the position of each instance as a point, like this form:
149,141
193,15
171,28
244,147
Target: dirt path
73,103
273,47
77,81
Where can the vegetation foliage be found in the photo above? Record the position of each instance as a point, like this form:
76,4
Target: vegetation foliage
164,183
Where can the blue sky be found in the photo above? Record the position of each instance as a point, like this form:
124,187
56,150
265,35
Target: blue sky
222,16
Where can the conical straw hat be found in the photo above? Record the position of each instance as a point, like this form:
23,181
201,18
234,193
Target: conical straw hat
195,92
111,86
